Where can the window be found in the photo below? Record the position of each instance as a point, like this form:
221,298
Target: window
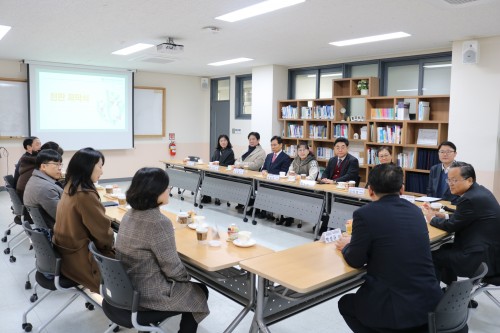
222,90
305,84
370,70
243,97
402,80
325,81
437,78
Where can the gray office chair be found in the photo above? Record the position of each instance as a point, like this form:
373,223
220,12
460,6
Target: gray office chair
452,312
487,284
17,210
48,275
121,301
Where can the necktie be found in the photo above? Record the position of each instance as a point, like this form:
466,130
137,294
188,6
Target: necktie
274,158
339,162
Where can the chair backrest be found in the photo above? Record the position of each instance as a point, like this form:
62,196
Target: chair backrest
452,311
48,260
17,205
116,287
9,180
37,217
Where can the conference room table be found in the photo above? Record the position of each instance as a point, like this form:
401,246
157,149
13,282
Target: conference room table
213,265
298,278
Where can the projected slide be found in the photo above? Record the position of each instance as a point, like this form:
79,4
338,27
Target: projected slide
81,106
81,102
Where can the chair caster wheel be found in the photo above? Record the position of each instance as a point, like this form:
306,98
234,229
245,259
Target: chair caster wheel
245,219
89,306
31,247
229,204
116,329
182,198
179,192
192,193
7,232
27,327
254,222
200,206
27,285
4,239
6,251
299,226
170,195
12,259
196,205
34,298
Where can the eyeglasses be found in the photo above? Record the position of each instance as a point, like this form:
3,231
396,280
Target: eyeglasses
384,156
446,152
59,165
454,181
340,147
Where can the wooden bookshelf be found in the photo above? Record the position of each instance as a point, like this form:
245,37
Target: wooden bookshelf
327,113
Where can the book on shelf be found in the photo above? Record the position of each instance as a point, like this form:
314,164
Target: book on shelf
371,155
340,130
423,110
405,160
289,112
324,112
364,133
291,150
403,111
324,153
318,132
305,112
427,136
295,131
383,113
389,134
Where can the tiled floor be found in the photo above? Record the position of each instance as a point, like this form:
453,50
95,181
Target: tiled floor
77,319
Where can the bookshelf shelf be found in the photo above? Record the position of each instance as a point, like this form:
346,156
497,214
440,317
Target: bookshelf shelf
418,158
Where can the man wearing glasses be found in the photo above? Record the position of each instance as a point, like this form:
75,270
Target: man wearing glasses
343,167
438,187
476,224
43,189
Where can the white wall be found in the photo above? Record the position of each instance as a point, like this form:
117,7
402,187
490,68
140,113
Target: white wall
188,116
475,111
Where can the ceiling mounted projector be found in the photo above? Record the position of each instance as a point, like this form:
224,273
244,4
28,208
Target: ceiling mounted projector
169,47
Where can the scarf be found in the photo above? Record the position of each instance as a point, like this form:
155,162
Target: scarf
250,150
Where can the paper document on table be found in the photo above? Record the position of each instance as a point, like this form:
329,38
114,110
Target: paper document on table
427,199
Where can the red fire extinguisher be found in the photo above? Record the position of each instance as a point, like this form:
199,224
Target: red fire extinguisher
172,148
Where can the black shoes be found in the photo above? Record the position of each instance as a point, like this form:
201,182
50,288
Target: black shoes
206,199
240,207
288,221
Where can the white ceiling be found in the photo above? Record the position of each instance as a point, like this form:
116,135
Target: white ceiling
86,32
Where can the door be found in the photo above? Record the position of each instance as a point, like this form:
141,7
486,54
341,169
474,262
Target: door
219,110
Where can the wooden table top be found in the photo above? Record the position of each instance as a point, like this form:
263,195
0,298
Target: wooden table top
203,255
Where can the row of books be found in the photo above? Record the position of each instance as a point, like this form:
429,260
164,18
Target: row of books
383,113
371,156
324,112
291,150
289,112
405,160
295,131
389,134
423,110
323,152
306,112
340,130
318,132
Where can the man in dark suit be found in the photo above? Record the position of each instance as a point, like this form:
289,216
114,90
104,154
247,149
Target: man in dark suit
391,238
476,224
343,167
438,187
277,161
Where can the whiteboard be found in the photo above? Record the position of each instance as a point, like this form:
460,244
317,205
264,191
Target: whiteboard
149,111
13,108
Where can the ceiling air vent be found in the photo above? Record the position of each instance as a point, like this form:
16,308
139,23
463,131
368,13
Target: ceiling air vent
460,2
457,3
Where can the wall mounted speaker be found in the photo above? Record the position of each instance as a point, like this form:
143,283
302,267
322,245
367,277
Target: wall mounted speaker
204,83
470,52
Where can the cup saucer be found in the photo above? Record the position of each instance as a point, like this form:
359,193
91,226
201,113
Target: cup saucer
239,243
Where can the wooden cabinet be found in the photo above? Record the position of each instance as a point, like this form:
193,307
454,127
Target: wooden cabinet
373,124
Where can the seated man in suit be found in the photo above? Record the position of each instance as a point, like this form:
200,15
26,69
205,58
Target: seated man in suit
275,162
343,167
43,189
389,237
438,187
476,224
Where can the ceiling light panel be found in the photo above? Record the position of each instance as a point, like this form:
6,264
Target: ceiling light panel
229,62
133,49
257,9
3,30
371,39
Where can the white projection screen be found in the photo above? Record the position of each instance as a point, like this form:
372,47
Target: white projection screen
80,107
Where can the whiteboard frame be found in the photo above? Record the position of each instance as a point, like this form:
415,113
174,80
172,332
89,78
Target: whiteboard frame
27,110
163,116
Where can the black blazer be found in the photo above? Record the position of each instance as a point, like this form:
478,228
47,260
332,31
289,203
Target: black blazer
476,224
282,163
391,238
349,171
432,187
225,158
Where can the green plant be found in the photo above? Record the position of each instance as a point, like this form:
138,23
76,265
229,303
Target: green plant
362,85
